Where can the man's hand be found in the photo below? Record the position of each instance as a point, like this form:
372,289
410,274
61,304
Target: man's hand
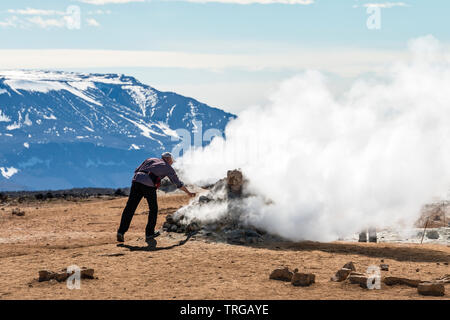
190,194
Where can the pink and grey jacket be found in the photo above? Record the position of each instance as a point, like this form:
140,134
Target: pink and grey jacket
157,167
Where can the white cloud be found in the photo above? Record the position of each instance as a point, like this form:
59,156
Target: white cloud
385,5
9,22
36,12
92,22
99,12
347,62
31,17
304,2
47,23
102,2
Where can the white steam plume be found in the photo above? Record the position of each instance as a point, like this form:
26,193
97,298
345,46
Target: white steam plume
333,166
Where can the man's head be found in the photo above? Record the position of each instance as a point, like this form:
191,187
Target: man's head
167,157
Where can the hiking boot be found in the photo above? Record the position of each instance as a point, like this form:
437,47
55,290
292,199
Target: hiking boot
120,237
153,236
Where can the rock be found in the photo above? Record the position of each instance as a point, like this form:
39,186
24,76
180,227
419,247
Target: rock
62,276
384,267
236,240
303,279
173,228
45,275
349,265
362,236
18,212
192,227
432,234
235,180
87,273
358,279
372,235
341,275
169,219
431,289
390,281
251,233
417,270
281,274
204,199
120,193
444,279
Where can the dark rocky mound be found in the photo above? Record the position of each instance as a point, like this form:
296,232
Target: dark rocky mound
228,195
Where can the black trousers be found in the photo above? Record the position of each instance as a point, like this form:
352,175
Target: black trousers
137,192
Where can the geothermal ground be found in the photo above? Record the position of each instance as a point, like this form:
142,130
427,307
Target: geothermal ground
57,233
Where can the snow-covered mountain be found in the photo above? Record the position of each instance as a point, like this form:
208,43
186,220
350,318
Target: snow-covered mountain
64,130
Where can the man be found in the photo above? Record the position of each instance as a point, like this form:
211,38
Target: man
146,180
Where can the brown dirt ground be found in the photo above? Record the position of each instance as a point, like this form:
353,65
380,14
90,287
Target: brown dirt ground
53,235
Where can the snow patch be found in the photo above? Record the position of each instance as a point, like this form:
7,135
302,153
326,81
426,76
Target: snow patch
134,147
4,117
46,86
145,130
82,85
142,96
14,126
27,120
8,172
165,128
50,117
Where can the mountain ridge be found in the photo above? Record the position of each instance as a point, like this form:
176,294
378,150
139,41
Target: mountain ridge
69,110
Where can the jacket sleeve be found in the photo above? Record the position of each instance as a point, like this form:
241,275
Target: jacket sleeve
174,179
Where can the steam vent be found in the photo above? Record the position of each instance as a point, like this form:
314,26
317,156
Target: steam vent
219,214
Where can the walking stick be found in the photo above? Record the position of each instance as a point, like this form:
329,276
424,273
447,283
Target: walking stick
423,234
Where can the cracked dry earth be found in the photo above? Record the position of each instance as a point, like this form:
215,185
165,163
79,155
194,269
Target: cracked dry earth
56,234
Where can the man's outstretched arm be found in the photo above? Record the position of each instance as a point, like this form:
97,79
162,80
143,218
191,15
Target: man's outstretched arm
180,185
191,194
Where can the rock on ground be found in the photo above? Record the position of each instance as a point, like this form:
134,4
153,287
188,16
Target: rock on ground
281,274
303,279
384,267
390,281
46,275
358,279
431,289
433,234
350,265
341,275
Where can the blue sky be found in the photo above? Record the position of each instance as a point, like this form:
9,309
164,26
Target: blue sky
222,52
